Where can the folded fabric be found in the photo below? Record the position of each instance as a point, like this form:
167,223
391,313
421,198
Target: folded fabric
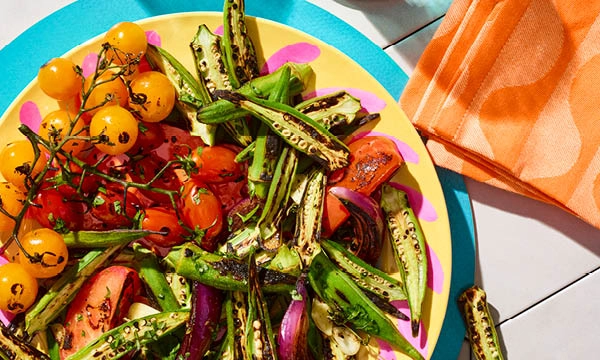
508,93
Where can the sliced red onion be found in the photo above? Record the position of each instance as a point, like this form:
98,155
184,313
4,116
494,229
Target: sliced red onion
292,340
204,319
367,220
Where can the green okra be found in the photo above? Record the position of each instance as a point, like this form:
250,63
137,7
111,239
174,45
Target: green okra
267,146
277,199
154,278
408,244
336,109
260,340
234,336
308,218
221,272
365,275
103,239
480,325
351,305
238,50
60,294
242,241
13,348
131,335
221,111
191,94
295,128
181,288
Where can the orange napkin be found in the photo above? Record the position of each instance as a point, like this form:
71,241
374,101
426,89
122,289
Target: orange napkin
508,93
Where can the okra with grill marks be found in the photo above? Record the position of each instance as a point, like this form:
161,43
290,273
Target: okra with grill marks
308,218
366,276
351,305
119,341
408,244
191,94
336,109
223,273
295,128
13,348
238,49
480,325
206,48
260,340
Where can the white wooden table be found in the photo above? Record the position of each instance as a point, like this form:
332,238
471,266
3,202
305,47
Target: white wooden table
538,264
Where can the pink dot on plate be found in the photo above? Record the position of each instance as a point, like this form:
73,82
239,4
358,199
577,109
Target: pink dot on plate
219,30
370,102
88,66
29,115
5,317
299,53
408,154
423,208
153,38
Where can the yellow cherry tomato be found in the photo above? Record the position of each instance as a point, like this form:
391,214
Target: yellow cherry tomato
12,200
152,96
115,128
60,123
59,80
17,161
129,41
108,90
48,253
18,289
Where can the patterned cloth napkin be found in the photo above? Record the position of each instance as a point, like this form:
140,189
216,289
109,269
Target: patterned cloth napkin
508,93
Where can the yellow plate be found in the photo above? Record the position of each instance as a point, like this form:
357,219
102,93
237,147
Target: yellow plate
333,69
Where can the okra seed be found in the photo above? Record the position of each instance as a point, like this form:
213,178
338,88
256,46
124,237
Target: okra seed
302,144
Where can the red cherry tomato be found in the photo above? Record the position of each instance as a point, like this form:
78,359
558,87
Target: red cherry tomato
230,193
110,208
201,210
164,220
53,210
150,137
145,169
215,164
99,306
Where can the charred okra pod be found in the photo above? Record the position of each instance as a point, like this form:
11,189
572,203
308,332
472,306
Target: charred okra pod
366,276
480,325
408,243
64,289
206,48
308,218
351,305
295,128
238,50
155,279
223,273
260,340
13,348
336,109
191,95
103,239
119,341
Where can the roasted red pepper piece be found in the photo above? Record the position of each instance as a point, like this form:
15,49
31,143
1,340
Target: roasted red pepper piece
334,215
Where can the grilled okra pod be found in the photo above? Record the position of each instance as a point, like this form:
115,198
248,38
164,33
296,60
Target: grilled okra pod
351,305
154,278
206,48
408,244
103,239
223,273
119,341
480,325
260,340
308,218
191,95
336,109
238,50
13,348
267,146
49,306
277,199
366,276
295,128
